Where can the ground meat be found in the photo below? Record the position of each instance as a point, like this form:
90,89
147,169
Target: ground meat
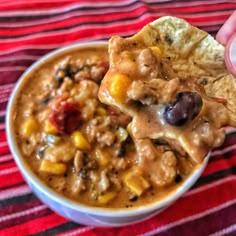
106,139
63,152
99,129
104,182
98,71
164,170
148,64
78,186
66,86
146,150
86,89
140,91
78,160
153,91
89,110
82,75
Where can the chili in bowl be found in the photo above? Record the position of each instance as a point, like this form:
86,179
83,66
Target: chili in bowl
78,154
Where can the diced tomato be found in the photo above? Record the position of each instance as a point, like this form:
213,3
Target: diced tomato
66,117
105,65
113,110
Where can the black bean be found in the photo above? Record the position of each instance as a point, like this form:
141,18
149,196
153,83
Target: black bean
61,73
83,173
46,100
178,178
134,198
121,151
187,107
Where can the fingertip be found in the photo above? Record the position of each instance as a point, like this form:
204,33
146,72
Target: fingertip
230,55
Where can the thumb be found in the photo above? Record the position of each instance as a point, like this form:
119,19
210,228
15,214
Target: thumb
230,54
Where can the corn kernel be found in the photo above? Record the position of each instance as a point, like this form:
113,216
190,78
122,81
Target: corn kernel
49,128
134,180
80,141
156,51
29,127
102,157
53,168
121,134
106,197
119,86
101,111
75,90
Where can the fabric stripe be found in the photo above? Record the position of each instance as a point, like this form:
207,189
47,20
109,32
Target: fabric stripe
200,21
25,216
97,5
79,14
35,225
130,8
6,158
26,197
21,214
226,231
186,226
61,228
78,231
14,192
8,171
217,175
231,178
220,165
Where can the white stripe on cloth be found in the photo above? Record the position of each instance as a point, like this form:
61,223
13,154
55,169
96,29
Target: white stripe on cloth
7,87
189,218
19,58
63,9
210,185
224,150
2,113
2,126
15,192
13,68
225,231
4,158
9,171
230,129
32,47
22,213
3,144
77,231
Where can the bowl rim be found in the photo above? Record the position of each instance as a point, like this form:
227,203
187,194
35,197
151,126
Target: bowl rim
30,176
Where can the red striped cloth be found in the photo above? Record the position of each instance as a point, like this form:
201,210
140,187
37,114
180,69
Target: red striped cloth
30,29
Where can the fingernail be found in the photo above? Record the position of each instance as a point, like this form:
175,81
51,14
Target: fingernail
231,55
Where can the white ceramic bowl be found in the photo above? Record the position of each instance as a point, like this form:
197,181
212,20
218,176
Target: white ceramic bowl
74,211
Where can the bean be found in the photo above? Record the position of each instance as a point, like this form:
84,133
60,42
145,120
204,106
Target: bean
187,107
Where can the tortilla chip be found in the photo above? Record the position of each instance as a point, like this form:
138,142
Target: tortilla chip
193,53
166,58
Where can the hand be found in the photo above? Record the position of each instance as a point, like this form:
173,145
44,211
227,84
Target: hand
227,37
